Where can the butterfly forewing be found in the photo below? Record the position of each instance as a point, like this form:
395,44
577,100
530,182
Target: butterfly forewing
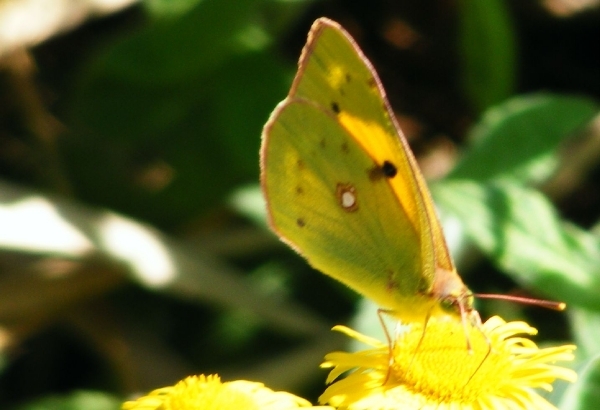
335,74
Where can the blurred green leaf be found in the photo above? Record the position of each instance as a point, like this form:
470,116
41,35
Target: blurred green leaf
249,201
194,130
189,46
585,393
586,332
241,106
519,229
87,400
515,137
148,81
169,8
488,45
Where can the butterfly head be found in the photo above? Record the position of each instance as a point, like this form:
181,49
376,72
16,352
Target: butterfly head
454,297
458,304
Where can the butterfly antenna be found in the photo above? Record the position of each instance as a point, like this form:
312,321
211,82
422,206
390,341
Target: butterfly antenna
549,304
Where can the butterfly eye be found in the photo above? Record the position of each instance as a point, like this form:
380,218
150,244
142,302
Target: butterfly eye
449,305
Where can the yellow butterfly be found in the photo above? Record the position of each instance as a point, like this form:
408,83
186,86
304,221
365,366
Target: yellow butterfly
344,190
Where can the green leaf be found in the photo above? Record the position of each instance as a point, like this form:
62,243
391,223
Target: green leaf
246,90
195,132
515,138
169,8
195,43
248,200
488,48
586,332
585,393
519,229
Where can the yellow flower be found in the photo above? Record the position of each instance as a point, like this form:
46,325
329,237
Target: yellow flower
438,372
209,393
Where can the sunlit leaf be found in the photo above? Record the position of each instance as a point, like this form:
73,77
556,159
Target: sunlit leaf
520,230
585,393
520,137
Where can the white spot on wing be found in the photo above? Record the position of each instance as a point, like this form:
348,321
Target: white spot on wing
348,199
346,194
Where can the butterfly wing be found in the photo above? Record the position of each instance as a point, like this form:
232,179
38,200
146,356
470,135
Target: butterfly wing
341,184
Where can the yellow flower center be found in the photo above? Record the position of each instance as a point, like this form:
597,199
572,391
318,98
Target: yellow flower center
209,394
435,370
439,365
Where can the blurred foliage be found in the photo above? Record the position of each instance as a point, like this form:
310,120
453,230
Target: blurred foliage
133,247
75,401
489,52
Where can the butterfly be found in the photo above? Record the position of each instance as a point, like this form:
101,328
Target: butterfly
344,190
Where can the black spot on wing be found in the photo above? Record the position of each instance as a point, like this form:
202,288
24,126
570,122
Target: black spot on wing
389,169
301,222
385,170
335,107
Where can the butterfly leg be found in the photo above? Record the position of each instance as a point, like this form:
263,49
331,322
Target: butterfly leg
476,322
420,339
380,313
